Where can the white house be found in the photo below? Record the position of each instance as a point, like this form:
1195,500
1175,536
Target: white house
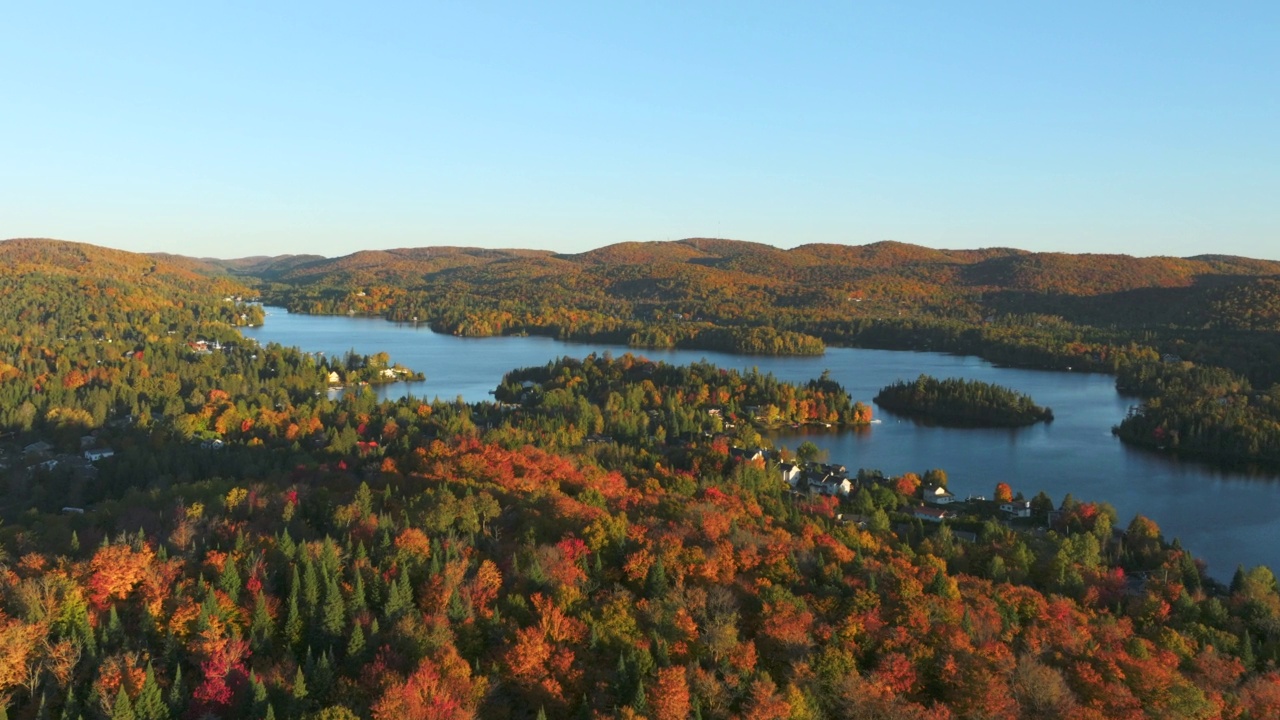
1017,508
98,454
937,495
832,485
790,473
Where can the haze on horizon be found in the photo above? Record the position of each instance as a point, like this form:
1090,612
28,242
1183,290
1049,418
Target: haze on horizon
234,130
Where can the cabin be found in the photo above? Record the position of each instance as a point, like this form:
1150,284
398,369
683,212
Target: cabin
746,455
333,377
937,495
1017,508
928,514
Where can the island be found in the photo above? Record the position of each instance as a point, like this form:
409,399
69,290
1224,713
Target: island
963,403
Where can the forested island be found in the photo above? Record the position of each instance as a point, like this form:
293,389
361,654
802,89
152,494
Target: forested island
966,403
193,528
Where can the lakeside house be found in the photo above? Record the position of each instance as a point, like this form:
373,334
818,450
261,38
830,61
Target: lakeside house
790,474
1017,508
928,514
937,495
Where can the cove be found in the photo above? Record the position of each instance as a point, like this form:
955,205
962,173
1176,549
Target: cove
1224,517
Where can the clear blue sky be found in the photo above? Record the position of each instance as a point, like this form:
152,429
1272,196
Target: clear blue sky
243,128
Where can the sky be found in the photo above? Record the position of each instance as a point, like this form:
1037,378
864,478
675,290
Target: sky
230,129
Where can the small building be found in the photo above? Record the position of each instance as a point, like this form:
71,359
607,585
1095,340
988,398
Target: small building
334,379
98,454
37,448
839,486
1017,508
747,454
790,473
928,514
937,495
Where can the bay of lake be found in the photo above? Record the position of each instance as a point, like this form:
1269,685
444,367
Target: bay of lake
1224,517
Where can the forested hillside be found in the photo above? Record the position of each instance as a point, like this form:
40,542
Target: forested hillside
603,540
1100,313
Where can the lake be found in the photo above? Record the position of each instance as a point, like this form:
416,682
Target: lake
1224,517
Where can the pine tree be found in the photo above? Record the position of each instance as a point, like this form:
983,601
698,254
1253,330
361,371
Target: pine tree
229,580
293,619
261,627
299,692
640,703
258,695
358,600
286,544
150,703
334,617
70,704
310,587
177,696
122,709
355,643
322,676
113,634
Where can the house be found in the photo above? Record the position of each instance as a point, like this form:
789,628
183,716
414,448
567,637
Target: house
1017,508
835,485
98,454
334,379
746,455
937,495
37,448
790,473
929,514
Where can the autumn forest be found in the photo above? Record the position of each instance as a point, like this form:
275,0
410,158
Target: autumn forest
193,527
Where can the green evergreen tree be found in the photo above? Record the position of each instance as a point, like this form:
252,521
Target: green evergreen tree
122,709
298,693
355,643
358,600
113,633
293,624
261,627
310,587
334,615
177,698
286,544
150,703
70,704
257,695
229,580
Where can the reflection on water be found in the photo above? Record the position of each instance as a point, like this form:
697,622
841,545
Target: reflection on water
1225,517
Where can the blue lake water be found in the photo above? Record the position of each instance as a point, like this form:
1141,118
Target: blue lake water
1225,517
